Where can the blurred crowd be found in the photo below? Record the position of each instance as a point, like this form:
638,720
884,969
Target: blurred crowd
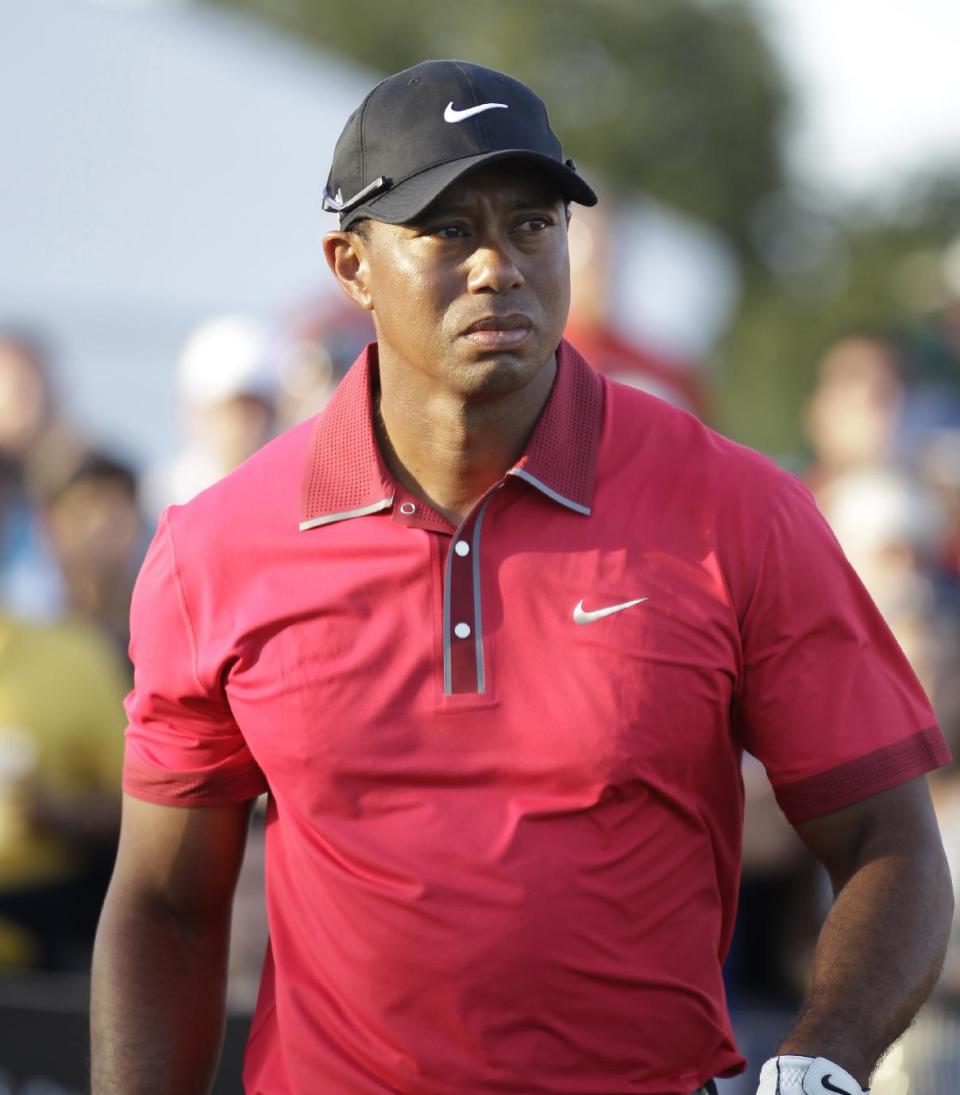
75,522
882,425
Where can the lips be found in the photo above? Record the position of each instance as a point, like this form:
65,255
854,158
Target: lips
491,333
514,322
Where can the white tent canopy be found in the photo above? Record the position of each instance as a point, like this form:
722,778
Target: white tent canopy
164,161
158,165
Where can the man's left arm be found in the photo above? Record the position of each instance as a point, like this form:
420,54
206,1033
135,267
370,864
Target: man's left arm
882,946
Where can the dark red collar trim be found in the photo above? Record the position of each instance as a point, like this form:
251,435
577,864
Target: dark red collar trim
345,475
561,456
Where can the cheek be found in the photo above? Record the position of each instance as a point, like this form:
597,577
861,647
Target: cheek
562,295
551,278
409,303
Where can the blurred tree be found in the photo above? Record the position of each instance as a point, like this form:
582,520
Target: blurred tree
822,274
686,101
681,99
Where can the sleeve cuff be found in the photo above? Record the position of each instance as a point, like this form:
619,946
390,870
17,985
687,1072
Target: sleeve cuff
868,775
213,787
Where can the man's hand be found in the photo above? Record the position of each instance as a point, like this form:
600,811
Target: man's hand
882,947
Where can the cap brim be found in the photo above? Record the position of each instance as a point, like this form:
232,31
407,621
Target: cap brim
408,199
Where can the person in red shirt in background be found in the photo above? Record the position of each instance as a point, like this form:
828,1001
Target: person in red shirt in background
592,329
318,342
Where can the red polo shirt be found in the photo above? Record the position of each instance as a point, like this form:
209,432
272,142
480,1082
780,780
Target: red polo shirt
503,760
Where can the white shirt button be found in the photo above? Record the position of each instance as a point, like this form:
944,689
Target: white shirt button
408,509
462,631
461,547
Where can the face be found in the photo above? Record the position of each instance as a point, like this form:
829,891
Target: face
473,295
24,401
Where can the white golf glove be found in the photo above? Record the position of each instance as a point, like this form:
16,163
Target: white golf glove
792,1075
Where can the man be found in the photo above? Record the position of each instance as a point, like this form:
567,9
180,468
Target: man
493,633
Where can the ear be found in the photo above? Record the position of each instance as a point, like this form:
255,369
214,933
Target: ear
345,255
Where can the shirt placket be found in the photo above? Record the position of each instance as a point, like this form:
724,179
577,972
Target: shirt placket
464,665
464,669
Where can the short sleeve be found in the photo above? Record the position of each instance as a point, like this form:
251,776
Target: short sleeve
827,701
183,746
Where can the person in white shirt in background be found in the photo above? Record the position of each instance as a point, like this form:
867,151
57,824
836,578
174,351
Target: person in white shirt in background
227,390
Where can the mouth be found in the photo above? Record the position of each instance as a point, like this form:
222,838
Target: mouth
499,332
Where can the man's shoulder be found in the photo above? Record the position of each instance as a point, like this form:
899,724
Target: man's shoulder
651,433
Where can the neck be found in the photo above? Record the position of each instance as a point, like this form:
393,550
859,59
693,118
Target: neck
447,448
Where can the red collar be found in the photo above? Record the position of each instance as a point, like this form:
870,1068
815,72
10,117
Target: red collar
345,475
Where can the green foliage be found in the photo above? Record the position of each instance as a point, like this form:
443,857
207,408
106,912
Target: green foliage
684,100
883,273
675,97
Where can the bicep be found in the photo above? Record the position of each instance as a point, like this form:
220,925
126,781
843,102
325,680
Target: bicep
899,821
184,858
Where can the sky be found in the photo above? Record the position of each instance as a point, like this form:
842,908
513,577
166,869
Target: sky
878,85
111,201
879,88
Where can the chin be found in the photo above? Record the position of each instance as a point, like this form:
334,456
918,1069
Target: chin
498,375
499,372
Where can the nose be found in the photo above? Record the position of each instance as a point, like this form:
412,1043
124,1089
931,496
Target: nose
493,268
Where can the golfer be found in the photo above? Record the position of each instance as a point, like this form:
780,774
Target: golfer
493,634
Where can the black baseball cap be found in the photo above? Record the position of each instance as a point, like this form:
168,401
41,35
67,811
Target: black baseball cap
421,129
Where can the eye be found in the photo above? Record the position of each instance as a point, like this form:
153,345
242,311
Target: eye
534,223
446,231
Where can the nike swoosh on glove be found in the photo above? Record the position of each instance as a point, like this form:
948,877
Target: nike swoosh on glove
792,1075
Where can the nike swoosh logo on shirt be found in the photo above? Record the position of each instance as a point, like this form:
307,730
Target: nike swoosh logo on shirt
453,115
582,617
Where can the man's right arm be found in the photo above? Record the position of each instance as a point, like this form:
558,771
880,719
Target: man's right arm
160,960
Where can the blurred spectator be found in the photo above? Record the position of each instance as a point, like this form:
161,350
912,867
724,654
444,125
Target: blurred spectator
894,526
931,355
227,390
61,684
591,326
61,745
929,1054
893,504
884,428
320,342
37,447
97,536
34,436
937,461
931,422
851,419
30,584
894,530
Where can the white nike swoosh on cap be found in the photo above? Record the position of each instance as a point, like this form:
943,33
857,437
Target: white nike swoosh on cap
581,617
452,115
